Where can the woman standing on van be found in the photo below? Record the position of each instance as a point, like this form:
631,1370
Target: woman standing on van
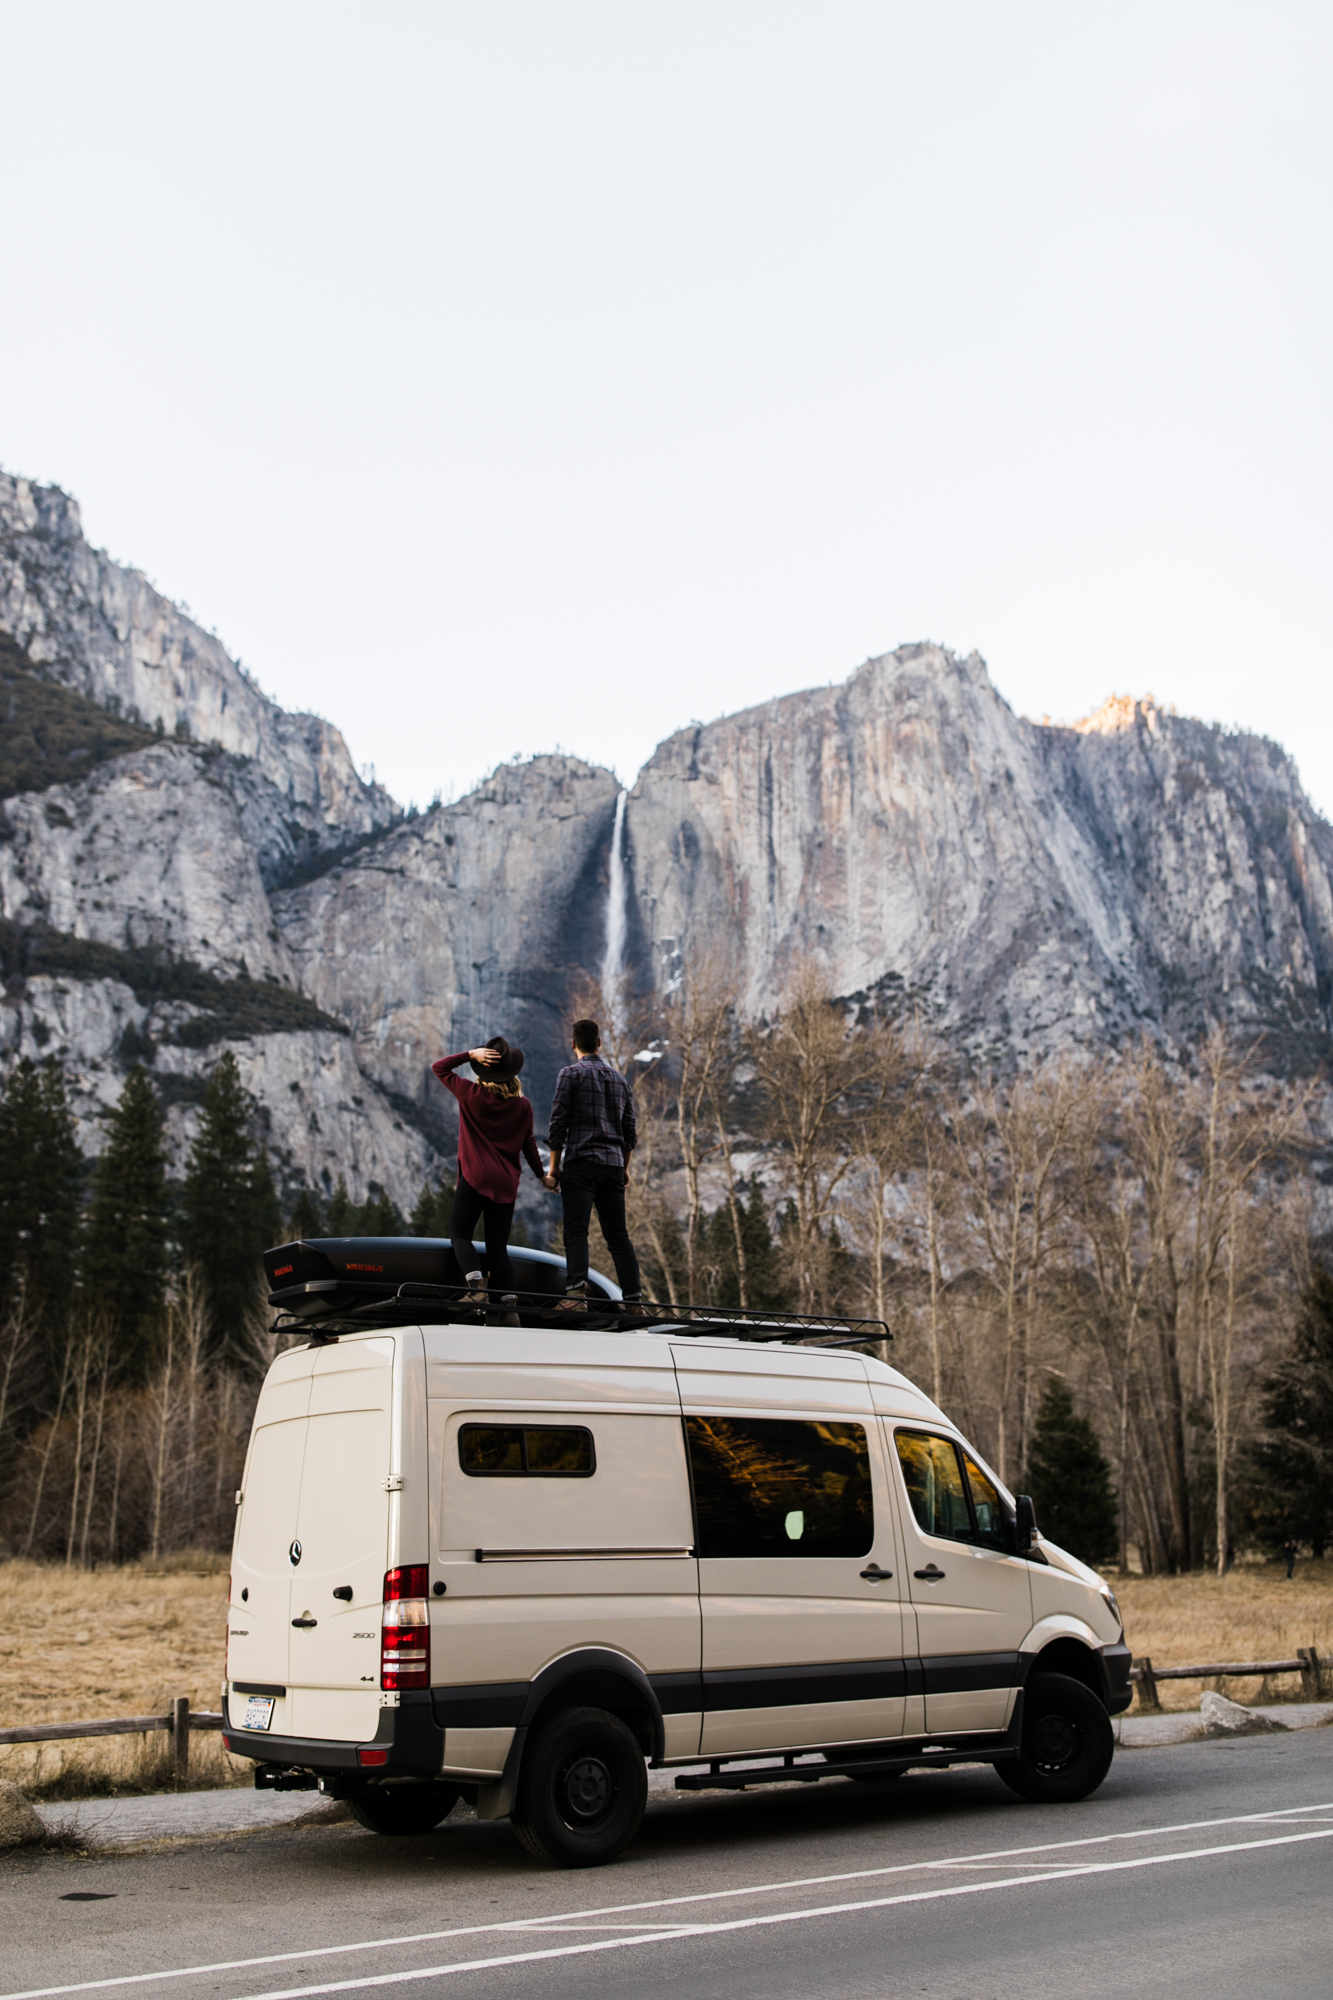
494,1138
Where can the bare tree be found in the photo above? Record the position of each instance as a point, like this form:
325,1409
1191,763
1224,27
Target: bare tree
809,1063
1017,1162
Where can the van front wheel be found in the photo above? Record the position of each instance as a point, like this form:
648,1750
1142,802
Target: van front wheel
582,1789
1067,1742
403,1808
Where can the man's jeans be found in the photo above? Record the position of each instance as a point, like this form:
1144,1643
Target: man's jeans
583,1188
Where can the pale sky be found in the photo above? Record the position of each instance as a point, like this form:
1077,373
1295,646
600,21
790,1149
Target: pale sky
504,376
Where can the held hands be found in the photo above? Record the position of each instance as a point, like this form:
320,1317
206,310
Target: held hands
551,1182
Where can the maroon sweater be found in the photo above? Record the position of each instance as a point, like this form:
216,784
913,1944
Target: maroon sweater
494,1135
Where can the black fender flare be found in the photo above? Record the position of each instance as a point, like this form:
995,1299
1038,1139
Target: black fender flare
497,1801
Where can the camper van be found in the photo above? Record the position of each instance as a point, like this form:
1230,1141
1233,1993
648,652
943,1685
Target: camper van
519,1565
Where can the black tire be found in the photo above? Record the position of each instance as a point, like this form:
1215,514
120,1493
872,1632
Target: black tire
1067,1742
582,1789
403,1808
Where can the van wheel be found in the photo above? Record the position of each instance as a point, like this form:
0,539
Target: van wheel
582,1789
403,1808
1067,1743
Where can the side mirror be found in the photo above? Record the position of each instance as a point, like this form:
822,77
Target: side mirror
1025,1524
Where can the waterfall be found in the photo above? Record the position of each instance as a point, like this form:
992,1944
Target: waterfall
613,960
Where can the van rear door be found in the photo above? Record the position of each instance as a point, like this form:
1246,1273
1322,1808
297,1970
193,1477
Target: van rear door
259,1614
343,1535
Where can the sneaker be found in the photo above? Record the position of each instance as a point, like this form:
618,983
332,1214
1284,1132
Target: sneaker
574,1301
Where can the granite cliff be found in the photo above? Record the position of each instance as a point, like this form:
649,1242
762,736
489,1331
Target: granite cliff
1026,886
185,867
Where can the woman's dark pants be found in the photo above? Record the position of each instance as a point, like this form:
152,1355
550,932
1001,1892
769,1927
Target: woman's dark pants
496,1218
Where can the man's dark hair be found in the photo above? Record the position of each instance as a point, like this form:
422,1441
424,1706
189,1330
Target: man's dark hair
587,1037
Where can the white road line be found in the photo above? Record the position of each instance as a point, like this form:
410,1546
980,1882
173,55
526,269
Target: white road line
992,1856
777,1917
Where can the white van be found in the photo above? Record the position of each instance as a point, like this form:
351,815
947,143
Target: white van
512,1564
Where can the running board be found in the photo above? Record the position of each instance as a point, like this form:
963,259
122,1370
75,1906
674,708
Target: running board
936,1757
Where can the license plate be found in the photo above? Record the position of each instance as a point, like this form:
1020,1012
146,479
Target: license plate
258,1712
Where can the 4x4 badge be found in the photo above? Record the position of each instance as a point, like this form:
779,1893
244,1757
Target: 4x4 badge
295,1553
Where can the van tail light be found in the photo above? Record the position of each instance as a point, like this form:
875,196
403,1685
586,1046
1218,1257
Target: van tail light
405,1628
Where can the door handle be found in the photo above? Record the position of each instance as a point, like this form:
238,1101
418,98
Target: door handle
304,1624
931,1575
875,1574
344,1591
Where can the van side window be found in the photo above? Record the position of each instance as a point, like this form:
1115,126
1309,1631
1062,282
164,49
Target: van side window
935,1485
769,1487
992,1520
517,1451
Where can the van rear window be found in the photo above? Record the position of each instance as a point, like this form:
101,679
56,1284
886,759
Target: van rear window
766,1486
526,1451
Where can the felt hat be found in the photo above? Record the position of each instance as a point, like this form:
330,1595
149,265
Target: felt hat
509,1065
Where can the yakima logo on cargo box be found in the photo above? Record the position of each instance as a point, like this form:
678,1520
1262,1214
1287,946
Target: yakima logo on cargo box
363,1267
282,1270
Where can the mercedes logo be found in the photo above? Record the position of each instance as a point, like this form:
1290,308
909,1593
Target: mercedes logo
295,1553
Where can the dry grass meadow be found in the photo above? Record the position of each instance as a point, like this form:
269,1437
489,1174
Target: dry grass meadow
1252,1614
78,1645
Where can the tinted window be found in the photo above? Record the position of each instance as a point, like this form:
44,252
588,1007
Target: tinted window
767,1487
991,1515
513,1451
935,1485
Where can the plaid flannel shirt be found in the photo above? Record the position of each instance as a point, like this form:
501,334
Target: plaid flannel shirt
592,1115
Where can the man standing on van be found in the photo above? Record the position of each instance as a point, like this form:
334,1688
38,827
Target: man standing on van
593,1131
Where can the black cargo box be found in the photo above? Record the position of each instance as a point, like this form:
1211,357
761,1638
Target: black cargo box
319,1275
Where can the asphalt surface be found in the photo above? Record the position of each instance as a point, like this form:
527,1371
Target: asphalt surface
1199,1869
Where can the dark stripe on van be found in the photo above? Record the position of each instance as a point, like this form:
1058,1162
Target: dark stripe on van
966,1673
678,1694
487,1705
785,1687
500,1704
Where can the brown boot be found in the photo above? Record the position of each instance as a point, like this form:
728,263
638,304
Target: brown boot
574,1303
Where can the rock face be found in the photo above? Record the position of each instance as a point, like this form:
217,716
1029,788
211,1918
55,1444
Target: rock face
103,630
480,918
1025,885
176,845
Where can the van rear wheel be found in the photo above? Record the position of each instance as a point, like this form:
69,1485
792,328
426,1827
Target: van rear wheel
403,1808
582,1789
1067,1742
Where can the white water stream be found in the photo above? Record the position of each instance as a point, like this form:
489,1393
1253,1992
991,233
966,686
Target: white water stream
617,917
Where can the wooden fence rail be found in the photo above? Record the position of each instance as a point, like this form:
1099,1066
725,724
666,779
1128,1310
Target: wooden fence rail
1307,1664
180,1720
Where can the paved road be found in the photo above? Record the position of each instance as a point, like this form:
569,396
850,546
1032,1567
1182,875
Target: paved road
1203,1869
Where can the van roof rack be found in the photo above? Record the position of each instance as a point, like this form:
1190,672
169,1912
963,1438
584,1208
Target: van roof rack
417,1304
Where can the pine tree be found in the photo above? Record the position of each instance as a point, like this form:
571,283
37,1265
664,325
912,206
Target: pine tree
343,1213
41,1186
305,1220
1288,1479
377,1216
229,1211
763,1282
1069,1478
128,1253
434,1207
